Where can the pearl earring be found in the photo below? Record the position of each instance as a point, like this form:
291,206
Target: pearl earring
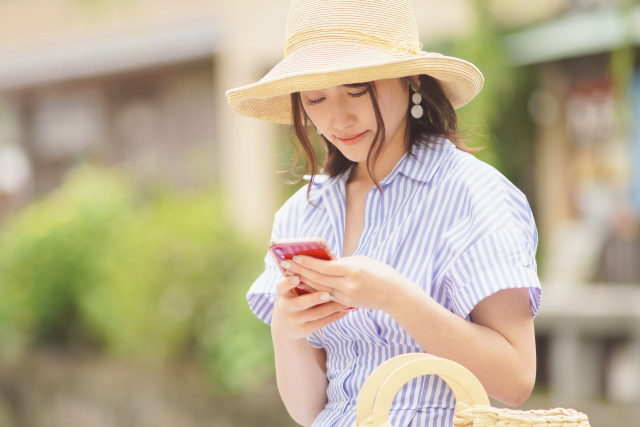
416,110
318,130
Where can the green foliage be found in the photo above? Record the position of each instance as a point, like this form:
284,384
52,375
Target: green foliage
151,280
497,118
287,149
48,256
483,48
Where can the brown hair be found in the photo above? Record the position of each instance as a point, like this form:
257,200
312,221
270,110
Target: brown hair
439,120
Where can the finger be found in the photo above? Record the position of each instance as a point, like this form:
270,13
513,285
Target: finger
319,312
315,285
284,287
303,302
329,267
321,323
306,301
321,278
312,286
311,275
338,296
306,287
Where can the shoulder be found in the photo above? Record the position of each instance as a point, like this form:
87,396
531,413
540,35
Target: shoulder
484,193
476,179
466,169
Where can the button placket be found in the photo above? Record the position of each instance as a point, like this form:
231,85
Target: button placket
351,361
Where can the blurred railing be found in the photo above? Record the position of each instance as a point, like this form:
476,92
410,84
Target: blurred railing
578,320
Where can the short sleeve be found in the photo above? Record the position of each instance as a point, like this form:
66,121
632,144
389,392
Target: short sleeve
262,293
497,261
315,339
492,248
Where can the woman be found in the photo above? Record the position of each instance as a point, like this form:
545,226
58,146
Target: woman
436,248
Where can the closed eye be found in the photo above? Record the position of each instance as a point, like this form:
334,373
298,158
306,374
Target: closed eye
353,95
315,101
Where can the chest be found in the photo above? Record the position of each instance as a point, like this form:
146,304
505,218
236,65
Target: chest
400,227
356,196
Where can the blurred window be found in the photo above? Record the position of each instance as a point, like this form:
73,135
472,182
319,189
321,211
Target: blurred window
68,124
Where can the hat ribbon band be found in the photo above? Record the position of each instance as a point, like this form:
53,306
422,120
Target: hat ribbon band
340,35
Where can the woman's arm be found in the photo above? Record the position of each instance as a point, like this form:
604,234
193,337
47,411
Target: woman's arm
300,369
498,347
301,382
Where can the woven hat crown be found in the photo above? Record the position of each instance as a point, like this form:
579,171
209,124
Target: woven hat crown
387,25
336,42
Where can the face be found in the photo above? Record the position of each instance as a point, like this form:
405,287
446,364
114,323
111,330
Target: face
345,114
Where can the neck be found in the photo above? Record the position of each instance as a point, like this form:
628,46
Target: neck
389,158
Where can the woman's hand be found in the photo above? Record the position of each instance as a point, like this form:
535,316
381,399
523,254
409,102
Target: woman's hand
296,317
357,281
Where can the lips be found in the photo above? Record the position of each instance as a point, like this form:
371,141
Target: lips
351,138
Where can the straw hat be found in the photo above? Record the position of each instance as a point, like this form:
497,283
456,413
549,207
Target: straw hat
335,42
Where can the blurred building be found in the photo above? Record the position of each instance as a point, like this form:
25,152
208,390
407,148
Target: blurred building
141,83
587,111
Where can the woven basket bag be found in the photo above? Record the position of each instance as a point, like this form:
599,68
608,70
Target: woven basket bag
472,409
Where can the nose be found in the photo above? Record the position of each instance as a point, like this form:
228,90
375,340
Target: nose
341,117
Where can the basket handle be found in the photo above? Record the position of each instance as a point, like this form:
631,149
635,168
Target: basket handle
371,386
465,386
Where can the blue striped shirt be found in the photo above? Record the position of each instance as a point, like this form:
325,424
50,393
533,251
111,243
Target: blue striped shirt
452,224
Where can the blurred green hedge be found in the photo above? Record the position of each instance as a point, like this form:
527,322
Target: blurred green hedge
152,279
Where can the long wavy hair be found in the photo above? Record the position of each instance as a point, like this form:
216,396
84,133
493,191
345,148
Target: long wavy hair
439,120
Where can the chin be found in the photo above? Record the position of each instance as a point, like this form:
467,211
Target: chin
357,153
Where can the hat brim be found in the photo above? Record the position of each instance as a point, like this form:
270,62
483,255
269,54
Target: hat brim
320,67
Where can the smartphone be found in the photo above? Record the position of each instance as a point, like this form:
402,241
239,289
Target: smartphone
285,249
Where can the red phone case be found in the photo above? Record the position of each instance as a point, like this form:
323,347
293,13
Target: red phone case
284,249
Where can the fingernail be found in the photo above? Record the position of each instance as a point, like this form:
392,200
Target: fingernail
325,297
285,264
294,280
297,259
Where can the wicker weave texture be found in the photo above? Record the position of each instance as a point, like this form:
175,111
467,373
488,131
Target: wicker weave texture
488,416
382,385
335,42
376,23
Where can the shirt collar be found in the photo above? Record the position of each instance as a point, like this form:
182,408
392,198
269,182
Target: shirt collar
425,162
420,167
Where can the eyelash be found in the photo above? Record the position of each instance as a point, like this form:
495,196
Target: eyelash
354,95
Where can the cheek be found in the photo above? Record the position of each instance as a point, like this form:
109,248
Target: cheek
313,115
393,110
365,114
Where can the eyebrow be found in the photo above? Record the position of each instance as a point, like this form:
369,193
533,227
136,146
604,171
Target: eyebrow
355,85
